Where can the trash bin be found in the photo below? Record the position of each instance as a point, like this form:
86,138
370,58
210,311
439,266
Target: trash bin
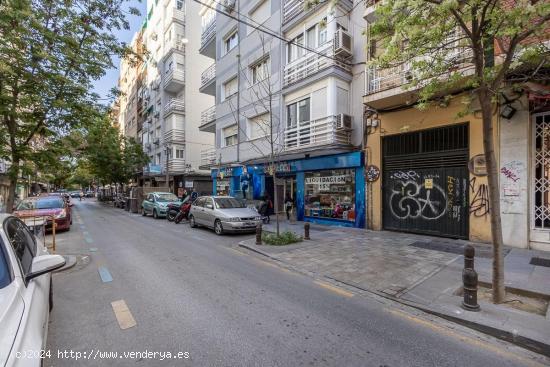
127,205
133,205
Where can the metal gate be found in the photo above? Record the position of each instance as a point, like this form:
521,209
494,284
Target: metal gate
426,182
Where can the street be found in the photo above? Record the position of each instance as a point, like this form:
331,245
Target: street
192,292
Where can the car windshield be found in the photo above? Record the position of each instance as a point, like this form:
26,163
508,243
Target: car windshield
49,203
4,273
229,203
165,198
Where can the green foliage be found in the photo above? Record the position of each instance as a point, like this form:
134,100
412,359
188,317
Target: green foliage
435,38
285,238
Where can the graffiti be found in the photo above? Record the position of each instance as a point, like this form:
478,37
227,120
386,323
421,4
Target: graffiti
410,201
509,174
409,175
479,205
372,173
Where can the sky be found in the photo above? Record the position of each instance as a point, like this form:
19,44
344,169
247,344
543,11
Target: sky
110,79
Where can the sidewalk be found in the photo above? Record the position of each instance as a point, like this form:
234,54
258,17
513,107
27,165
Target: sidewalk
421,271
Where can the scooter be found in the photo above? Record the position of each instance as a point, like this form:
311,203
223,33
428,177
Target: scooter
183,213
172,211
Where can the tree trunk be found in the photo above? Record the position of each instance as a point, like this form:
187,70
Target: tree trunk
494,195
276,200
11,194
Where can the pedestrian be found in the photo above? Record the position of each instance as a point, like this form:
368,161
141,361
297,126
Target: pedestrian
80,195
269,207
288,206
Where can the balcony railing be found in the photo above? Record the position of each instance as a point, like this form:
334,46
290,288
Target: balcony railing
174,136
208,157
174,14
208,115
293,8
382,79
311,134
311,63
208,31
208,75
175,44
174,78
174,105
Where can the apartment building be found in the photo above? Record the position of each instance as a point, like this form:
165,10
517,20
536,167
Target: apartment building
432,167
169,102
288,104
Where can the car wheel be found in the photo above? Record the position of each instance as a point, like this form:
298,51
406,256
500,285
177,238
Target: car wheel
192,223
155,215
218,227
50,299
143,212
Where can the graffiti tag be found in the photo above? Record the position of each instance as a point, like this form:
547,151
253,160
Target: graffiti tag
411,201
401,175
479,205
509,174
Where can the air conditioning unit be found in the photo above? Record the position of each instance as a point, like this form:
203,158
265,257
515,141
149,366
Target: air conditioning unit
343,121
342,43
228,5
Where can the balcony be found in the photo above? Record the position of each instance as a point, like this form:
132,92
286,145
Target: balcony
174,15
208,120
296,10
174,80
208,81
387,87
327,131
174,105
174,45
208,157
178,165
208,39
312,63
174,136
370,10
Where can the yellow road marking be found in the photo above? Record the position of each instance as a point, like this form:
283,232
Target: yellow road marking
472,341
334,289
123,314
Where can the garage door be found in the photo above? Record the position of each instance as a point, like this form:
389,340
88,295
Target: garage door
425,182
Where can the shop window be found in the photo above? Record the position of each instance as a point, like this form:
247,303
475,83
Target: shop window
330,194
222,187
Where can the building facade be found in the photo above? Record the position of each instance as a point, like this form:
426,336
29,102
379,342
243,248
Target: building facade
432,177
289,79
162,104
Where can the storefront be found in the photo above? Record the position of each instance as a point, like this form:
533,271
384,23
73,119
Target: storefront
326,190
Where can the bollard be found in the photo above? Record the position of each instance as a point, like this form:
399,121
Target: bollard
259,234
469,280
306,231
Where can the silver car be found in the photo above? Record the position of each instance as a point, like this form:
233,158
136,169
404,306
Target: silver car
223,214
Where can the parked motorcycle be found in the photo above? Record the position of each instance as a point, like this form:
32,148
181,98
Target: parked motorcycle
183,211
172,211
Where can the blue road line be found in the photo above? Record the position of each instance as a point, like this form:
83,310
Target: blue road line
104,274
89,240
93,249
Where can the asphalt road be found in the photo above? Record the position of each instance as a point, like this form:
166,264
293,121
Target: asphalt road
190,291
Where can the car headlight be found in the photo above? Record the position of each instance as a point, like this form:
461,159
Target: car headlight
257,218
235,219
61,215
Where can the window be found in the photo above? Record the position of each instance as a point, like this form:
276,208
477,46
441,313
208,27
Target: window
230,42
260,70
208,203
158,158
311,39
322,26
330,194
230,135
230,88
22,242
295,48
199,202
298,112
179,4
5,276
258,127
260,14
179,153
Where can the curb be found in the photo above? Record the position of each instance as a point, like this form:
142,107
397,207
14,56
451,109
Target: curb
514,338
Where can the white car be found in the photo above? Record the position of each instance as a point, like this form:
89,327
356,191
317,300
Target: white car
25,293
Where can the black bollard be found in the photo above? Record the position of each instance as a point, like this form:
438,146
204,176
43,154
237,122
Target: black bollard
306,231
259,234
469,280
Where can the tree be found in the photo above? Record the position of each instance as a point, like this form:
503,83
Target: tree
50,52
438,37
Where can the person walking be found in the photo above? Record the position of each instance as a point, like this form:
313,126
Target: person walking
80,195
288,206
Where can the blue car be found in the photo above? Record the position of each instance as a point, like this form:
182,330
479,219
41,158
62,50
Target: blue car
156,204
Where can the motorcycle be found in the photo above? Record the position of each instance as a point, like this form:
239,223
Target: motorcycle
172,211
183,213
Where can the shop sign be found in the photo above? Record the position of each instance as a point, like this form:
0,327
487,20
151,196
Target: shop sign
189,184
284,167
327,180
227,171
154,168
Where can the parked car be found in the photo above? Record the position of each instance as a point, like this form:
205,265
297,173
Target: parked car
75,194
25,293
54,206
156,203
223,214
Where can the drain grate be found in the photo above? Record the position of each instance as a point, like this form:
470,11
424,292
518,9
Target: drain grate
539,261
455,248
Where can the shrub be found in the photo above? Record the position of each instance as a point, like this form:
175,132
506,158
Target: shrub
285,238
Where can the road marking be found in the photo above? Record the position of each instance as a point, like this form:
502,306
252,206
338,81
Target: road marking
123,315
104,274
86,233
93,249
88,240
334,289
472,341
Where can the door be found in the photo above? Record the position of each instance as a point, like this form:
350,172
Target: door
148,204
207,216
198,210
426,182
